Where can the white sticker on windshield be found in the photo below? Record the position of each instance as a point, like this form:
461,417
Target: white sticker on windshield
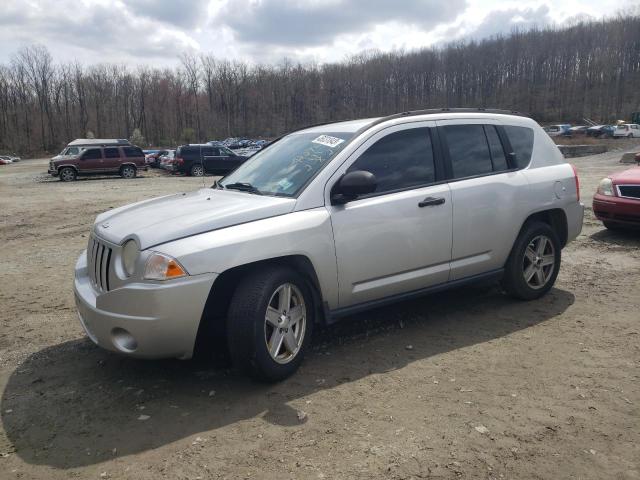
328,141
284,184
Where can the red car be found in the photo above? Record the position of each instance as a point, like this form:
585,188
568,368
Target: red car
617,201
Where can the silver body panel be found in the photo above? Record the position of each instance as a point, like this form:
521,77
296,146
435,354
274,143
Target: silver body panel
361,252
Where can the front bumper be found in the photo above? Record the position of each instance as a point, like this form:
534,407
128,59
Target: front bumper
620,210
143,319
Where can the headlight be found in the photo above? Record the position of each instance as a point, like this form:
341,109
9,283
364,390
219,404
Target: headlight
130,254
605,187
162,267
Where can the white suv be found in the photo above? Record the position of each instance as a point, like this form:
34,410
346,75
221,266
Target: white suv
628,130
325,222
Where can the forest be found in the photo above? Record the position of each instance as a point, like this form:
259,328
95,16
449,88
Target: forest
590,69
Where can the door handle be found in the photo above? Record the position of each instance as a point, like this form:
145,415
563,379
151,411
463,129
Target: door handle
431,202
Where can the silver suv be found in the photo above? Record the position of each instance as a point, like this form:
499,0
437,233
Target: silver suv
325,222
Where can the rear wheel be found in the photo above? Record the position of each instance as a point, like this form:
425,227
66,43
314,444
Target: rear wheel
269,323
67,174
196,170
534,262
128,171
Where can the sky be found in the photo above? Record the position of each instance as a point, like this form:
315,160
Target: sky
157,32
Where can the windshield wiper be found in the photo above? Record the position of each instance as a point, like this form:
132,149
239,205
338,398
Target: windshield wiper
243,187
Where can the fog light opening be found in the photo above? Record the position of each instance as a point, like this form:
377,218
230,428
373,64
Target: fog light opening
123,340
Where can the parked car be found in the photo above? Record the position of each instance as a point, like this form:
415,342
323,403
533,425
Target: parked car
627,130
558,130
578,130
617,201
122,160
5,160
78,145
600,131
165,162
196,159
153,158
328,221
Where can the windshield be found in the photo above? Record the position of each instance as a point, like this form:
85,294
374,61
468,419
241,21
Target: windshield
285,167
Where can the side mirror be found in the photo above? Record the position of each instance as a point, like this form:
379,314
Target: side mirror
352,185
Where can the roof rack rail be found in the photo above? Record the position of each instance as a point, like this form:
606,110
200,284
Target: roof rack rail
434,111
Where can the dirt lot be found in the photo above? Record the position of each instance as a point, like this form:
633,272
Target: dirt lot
466,384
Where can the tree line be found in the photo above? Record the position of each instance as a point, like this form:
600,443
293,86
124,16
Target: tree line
588,70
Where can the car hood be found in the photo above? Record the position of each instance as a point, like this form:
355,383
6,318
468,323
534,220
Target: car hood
631,175
163,219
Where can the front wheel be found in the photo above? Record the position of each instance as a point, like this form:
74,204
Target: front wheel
270,323
67,174
534,262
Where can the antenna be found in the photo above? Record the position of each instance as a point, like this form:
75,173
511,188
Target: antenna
202,165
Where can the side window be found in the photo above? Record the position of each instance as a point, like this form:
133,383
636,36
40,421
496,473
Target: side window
468,150
400,160
91,154
132,152
498,157
521,140
207,152
111,152
72,151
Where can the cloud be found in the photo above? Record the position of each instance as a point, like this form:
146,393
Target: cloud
503,22
309,23
183,13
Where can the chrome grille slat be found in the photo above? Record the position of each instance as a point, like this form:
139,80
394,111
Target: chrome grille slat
99,264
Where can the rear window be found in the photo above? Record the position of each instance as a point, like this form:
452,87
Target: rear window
133,152
468,150
521,139
111,152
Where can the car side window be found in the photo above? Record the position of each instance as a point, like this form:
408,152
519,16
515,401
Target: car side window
132,152
521,140
72,151
498,158
207,151
468,150
111,152
400,160
91,154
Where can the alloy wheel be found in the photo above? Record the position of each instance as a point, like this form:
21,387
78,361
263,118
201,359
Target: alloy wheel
538,262
285,323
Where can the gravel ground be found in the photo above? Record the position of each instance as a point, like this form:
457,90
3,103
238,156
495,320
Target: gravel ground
464,384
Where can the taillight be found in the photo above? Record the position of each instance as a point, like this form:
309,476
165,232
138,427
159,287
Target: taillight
575,176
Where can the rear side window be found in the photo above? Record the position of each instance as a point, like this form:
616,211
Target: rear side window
92,153
400,160
468,150
521,140
498,157
111,153
207,152
132,152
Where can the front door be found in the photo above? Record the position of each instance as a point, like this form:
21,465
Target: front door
398,239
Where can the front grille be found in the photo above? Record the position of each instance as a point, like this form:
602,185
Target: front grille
99,263
629,191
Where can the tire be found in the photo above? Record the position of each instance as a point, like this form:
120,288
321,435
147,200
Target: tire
67,174
253,334
616,227
534,262
196,170
128,171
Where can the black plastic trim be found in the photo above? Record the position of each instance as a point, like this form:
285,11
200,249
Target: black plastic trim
334,315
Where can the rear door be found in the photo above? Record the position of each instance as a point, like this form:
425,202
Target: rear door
488,195
391,241
111,158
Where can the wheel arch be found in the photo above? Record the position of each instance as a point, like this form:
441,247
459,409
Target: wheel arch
212,328
556,218
67,166
128,164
